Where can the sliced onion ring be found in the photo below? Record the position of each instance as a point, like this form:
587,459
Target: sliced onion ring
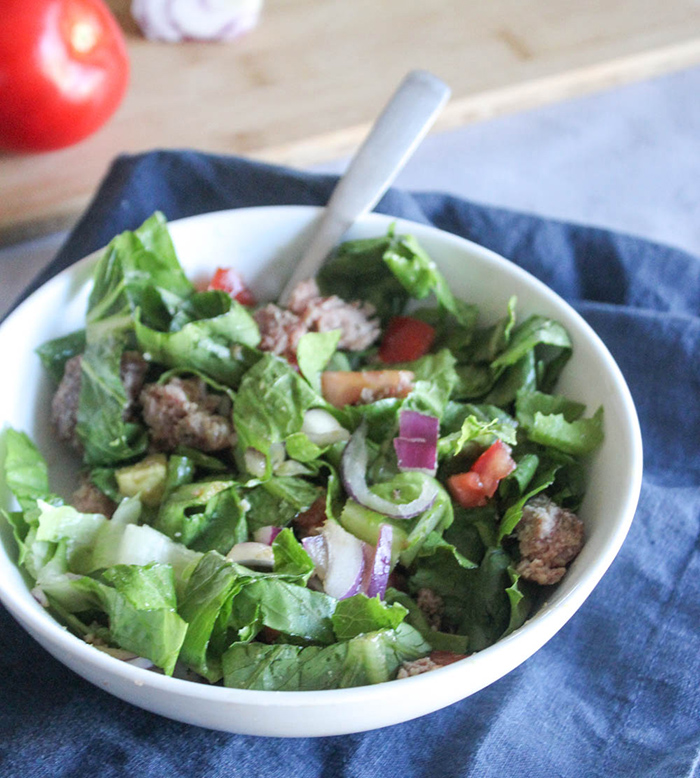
316,547
353,471
346,562
378,564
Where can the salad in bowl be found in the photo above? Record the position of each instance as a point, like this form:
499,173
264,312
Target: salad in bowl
363,486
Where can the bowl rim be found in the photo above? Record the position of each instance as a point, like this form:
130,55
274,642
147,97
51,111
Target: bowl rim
544,623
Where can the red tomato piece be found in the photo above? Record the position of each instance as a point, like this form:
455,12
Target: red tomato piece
405,339
467,489
230,281
493,465
64,69
443,658
474,488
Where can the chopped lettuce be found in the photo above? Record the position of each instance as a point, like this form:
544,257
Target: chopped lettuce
222,348
270,405
369,658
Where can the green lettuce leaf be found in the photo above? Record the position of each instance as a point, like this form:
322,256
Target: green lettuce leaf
55,353
291,560
314,351
360,614
286,607
222,348
439,641
139,269
206,607
555,421
278,500
26,471
140,605
367,659
270,405
203,516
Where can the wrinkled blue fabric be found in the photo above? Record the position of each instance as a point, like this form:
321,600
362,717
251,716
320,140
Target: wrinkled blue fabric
615,693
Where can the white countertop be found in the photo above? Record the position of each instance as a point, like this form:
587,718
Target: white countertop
627,159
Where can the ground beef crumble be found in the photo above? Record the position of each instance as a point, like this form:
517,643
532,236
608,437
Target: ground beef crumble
182,411
87,498
425,664
416,667
549,537
281,329
432,607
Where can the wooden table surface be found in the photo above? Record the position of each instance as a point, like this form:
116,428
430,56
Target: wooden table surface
304,86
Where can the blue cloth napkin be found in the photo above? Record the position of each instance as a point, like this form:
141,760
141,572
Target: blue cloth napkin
615,693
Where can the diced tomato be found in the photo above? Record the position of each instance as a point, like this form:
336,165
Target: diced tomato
494,464
341,387
228,280
474,488
467,489
405,339
443,658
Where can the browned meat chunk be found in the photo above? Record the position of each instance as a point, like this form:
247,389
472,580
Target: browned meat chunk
132,371
427,663
308,311
87,498
416,667
182,412
432,607
550,537
310,521
280,331
64,406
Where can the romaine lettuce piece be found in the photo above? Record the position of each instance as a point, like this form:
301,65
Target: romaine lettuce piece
314,351
270,405
278,500
371,658
285,607
222,348
359,614
555,421
140,605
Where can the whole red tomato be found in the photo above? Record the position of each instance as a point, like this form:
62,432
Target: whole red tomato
64,69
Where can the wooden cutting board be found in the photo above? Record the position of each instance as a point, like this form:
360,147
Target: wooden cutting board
304,86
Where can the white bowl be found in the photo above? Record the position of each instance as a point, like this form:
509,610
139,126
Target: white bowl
264,243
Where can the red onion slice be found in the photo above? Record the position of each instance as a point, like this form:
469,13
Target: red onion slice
419,426
266,534
416,446
378,565
345,562
315,546
353,471
418,455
